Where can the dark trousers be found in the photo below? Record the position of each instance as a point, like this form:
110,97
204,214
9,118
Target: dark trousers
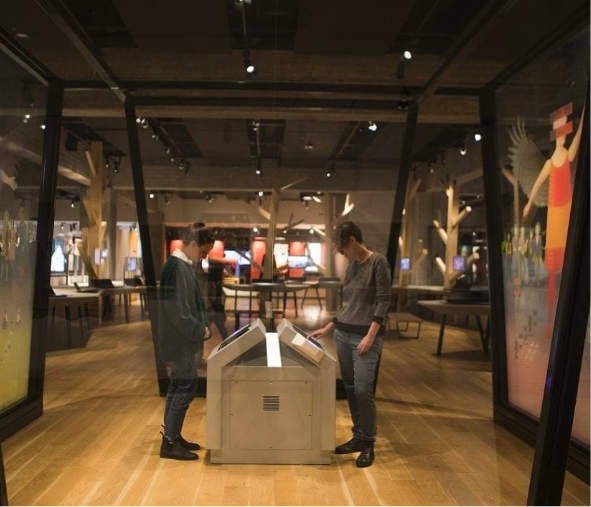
358,372
181,391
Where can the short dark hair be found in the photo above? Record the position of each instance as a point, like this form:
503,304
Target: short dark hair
200,235
343,232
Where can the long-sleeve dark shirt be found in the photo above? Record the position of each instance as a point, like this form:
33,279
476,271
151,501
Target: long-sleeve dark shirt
182,315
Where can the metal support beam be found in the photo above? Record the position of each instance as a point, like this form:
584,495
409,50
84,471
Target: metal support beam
492,190
147,254
402,184
45,219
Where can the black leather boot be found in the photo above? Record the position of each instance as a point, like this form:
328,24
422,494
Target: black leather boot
174,450
365,459
190,446
353,445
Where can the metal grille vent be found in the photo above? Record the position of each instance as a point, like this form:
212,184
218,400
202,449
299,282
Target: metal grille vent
271,403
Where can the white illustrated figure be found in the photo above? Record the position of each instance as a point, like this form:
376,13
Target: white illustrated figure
9,180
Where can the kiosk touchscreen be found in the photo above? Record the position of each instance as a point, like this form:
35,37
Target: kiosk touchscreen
234,336
243,338
305,335
299,340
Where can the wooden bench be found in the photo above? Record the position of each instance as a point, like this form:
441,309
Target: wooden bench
395,319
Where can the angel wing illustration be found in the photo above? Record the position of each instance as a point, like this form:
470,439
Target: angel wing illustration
527,162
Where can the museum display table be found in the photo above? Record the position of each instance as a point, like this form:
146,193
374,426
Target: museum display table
444,309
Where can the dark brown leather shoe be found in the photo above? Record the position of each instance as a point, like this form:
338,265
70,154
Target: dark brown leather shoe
353,445
365,459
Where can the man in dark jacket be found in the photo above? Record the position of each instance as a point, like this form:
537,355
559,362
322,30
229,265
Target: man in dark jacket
183,325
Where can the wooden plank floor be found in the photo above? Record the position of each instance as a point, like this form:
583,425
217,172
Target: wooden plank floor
97,442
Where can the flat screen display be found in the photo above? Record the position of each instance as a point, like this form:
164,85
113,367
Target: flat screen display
131,264
234,336
97,256
405,264
235,256
459,263
58,257
297,261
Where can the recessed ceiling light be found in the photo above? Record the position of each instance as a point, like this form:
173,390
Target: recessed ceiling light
21,35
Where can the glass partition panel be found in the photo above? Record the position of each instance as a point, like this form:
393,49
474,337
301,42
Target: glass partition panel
22,103
539,117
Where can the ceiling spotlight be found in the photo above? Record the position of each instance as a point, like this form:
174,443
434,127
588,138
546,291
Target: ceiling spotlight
168,150
316,199
260,193
42,127
255,229
116,170
331,171
477,136
181,165
62,226
372,126
259,169
249,67
155,137
430,168
151,195
463,149
144,123
309,146
73,203
407,55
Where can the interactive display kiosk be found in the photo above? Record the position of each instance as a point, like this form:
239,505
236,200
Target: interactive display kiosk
270,398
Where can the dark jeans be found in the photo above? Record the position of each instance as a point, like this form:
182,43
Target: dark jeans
358,372
181,391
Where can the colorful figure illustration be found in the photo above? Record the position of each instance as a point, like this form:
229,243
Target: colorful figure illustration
558,194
